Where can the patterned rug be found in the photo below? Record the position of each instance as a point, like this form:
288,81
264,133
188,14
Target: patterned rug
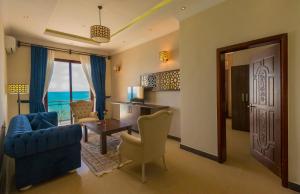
91,154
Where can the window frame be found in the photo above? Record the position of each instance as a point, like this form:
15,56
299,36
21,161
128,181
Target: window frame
70,62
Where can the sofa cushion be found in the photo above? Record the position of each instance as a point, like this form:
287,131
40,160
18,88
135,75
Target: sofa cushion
88,119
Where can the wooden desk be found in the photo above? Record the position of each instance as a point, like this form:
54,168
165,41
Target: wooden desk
130,112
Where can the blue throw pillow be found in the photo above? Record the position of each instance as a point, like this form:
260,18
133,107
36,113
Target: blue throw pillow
44,125
39,121
36,121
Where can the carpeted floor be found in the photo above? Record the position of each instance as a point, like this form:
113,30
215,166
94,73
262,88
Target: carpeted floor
187,174
98,163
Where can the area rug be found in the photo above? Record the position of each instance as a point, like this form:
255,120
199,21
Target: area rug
91,154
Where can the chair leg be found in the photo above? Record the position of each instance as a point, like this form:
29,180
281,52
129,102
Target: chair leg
164,162
143,172
120,160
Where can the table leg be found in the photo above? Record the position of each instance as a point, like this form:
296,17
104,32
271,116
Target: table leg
85,134
103,144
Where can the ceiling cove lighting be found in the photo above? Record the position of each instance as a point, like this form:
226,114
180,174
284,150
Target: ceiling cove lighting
100,33
107,37
138,19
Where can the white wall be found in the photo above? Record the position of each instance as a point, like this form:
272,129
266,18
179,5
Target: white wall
144,59
3,97
232,22
3,110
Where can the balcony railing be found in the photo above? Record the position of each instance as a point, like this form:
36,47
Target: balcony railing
63,109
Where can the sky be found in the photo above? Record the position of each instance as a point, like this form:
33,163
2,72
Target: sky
60,78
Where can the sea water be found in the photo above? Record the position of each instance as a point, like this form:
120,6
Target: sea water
60,102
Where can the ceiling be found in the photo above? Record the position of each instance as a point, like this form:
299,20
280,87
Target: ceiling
27,20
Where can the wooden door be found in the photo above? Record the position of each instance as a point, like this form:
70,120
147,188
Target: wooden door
240,97
265,108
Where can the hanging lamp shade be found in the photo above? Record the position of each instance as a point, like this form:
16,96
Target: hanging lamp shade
100,33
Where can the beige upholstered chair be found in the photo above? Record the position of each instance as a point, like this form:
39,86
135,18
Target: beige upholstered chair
151,144
83,111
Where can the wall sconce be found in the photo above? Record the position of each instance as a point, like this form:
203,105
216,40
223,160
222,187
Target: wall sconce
117,68
164,56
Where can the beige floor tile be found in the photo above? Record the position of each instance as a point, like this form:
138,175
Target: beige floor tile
187,174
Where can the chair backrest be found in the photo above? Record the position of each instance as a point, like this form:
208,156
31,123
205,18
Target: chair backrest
81,108
154,130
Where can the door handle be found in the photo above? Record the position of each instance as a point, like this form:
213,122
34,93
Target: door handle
250,106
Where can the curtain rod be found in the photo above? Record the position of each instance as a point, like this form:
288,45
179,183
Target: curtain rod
70,51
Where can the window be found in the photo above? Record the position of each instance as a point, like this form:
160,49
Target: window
68,84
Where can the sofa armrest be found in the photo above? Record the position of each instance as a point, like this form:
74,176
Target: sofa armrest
38,141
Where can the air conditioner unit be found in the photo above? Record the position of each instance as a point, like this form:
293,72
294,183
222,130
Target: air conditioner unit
10,44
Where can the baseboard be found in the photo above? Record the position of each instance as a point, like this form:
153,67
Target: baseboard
294,186
198,152
174,138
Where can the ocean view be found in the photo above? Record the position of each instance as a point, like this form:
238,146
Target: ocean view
60,102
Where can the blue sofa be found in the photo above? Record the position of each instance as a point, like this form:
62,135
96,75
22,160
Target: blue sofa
43,153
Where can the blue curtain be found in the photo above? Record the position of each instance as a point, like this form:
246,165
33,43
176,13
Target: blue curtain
98,67
37,80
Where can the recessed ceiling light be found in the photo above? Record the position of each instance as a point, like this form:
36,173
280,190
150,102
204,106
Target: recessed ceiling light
183,8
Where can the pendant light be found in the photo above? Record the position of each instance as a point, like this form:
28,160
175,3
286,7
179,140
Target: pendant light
100,33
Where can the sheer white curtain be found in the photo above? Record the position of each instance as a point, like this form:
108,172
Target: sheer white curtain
49,70
86,66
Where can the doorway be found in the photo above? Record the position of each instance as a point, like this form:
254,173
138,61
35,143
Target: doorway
257,111
237,90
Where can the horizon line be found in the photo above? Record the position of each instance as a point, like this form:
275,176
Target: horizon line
72,91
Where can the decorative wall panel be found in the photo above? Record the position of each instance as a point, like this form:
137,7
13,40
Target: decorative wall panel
162,81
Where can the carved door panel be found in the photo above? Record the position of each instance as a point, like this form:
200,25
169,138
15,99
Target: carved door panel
264,107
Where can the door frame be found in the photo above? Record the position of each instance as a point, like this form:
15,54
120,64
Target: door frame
282,40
